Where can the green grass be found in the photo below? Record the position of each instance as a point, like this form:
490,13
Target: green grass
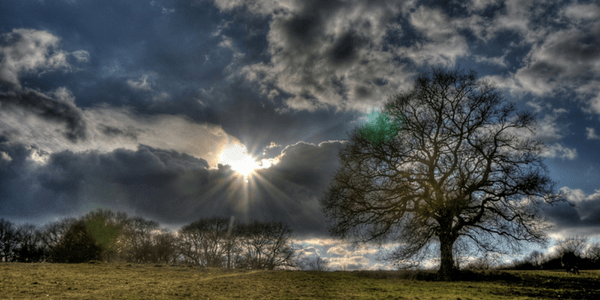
120,281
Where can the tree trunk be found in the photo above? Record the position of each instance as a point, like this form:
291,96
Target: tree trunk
447,269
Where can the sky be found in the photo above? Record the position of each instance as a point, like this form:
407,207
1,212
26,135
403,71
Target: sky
160,108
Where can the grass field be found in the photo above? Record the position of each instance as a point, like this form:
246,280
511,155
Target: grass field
121,281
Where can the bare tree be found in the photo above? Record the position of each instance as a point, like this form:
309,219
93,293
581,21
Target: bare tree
52,234
30,247
571,251
318,264
164,247
574,244
265,245
8,240
459,167
593,253
203,242
134,244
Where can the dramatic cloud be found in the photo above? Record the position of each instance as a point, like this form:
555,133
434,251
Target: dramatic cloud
30,50
581,217
329,54
130,104
166,185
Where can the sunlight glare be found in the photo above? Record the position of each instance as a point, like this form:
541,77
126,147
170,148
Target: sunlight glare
239,160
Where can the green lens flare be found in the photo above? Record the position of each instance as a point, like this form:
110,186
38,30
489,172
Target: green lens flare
380,128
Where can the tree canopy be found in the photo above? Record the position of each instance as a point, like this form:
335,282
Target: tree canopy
463,168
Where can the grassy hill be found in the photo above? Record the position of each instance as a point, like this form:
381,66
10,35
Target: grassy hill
127,281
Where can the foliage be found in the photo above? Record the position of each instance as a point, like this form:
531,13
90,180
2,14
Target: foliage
105,226
77,246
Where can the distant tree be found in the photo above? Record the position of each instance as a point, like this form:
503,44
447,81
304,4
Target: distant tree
202,242
135,242
318,264
535,258
593,252
8,240
266,245
458,168
77,245
221,242
52,234
105,226
164,247
574,244
30,246
571,251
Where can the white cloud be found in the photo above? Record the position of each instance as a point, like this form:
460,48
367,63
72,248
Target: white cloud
591,134
162,96
560,151
582,12
562,58
327,55
476,5
29,50
5,156
444,44
108,128
548,129
349,263
499,60
81,56
63,94
140,84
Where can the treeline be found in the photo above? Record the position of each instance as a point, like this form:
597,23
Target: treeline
569,252
115,237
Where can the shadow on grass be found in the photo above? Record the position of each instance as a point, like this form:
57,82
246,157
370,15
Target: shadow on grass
548,285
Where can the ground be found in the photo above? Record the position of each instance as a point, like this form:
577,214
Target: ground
126,281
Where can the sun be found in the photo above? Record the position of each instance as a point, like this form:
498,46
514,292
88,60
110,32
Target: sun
239,160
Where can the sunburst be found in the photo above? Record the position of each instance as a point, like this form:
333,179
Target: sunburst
240,161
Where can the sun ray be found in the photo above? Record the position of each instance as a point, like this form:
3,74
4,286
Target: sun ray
240,161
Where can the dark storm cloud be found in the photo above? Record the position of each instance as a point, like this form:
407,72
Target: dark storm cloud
32,51
114,131
327,54
167,186
345,49
48,108
580,216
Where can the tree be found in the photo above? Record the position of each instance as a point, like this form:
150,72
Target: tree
574,244
77,246
135,243
8,240
164,247
571,251
52,234
462,167
203,242
30,246
105,226
318,264
265,245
